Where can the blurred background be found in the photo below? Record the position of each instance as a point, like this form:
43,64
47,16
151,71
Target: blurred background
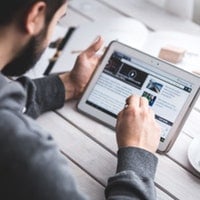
188,9
129,21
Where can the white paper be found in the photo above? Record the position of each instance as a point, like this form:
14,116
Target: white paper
126,30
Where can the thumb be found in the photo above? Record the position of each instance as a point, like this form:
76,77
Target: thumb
94,47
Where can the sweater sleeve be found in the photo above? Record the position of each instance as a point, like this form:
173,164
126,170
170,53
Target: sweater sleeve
43,94
135,176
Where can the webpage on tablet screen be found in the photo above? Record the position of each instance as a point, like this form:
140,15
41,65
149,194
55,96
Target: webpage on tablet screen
123,76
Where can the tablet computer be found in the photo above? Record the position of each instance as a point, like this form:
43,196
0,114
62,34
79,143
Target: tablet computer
124,71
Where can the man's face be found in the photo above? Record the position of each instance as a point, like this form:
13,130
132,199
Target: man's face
32,52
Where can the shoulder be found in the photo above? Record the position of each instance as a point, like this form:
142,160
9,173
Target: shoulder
29,156
21,136
15,122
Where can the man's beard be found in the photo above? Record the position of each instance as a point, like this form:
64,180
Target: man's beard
28,57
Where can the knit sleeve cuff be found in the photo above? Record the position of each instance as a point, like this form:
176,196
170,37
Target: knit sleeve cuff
138,160
50,93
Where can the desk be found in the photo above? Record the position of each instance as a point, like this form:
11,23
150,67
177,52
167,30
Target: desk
90,148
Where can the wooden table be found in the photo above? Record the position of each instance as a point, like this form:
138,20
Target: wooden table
90,148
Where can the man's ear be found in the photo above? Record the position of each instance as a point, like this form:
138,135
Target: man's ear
35,18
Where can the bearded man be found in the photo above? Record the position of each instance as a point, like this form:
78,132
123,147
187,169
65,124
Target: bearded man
31,166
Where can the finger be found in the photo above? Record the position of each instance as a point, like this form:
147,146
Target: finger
98,58
133,100
94,47
152,113
144,102
125,106
119,114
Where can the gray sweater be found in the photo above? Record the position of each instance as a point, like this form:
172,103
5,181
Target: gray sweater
31,166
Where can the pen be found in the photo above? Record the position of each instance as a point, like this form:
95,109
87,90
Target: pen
76,51
59,50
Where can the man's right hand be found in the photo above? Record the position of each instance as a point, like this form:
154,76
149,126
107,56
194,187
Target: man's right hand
136,125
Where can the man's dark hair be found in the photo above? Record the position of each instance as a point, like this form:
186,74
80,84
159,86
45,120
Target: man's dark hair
16,9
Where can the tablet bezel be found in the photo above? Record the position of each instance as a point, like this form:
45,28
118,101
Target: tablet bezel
156,63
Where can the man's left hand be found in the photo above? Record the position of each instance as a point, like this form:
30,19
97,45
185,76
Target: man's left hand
76,80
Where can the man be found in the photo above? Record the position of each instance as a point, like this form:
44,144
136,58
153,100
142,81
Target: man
31,166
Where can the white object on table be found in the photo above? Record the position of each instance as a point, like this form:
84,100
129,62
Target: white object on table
194,153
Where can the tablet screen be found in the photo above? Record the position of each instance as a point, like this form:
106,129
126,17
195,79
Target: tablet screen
124,76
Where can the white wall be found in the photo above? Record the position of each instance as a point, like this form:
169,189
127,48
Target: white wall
196,16
160,3
188,9
182,8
